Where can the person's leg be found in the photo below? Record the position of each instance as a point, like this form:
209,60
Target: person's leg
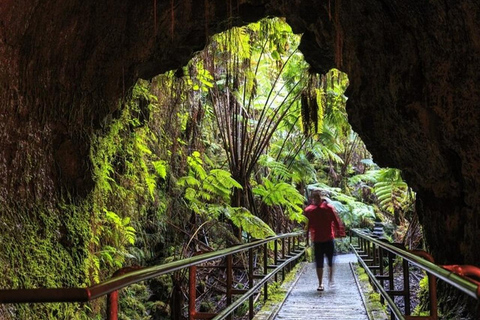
319,263
320,277
329,250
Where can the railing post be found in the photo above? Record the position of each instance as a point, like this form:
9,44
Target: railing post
112,305
391,285
275,257
406,286
229,282
192,293
250,282
283,257
112,297
432,284
289,252
382,271
265,271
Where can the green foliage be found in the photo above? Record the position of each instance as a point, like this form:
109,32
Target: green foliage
258,76
202,187
352,212
120,235
134,303
282,194
46,247
423,308
126,172
249,223
161,168
393,195
208,193
342,245
390,189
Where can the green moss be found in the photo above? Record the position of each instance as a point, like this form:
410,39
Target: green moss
372,298
423,308
133,304
46,248
77,244
277,291
309,254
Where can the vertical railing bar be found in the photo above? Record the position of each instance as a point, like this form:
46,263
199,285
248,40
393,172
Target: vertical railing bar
192,293
283,257
432,287
112,297
275,257
112,305
229,282
406,286
382,271
265,272
250,282
289,250
391,285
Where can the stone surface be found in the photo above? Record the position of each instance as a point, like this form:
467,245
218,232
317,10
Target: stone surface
343,301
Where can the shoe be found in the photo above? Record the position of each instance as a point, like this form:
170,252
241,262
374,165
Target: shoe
331,284
320,288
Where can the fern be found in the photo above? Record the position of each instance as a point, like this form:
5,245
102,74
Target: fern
282,194
391,194
202,187
195,164
278,169
160,168
249,223
351,211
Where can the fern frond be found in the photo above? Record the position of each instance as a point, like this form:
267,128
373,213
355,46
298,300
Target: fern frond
250,223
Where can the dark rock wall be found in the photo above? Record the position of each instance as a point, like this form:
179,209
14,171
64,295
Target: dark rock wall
413,67
64,67
413,100
413,94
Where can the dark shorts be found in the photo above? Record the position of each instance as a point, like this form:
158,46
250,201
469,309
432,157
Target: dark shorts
323,249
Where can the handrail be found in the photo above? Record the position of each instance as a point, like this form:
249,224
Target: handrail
448,276
372,248
395,310
136,274
255,288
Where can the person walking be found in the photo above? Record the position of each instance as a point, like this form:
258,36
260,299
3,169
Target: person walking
324,225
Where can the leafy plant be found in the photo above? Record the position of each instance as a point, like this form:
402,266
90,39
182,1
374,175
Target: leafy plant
352,212
207,194
281,194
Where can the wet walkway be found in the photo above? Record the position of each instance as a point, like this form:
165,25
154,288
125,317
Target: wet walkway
343,301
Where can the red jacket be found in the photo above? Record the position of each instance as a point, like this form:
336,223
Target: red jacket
323,222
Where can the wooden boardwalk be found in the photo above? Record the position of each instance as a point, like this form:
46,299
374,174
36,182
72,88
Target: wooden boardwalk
343,301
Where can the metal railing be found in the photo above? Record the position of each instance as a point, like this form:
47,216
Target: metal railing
291,250
372,253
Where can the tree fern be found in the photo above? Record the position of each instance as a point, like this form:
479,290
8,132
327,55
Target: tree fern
202,187
351,211
282,194
249,223
277,169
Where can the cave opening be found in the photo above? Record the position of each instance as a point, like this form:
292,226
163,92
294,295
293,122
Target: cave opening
247,108
412,71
